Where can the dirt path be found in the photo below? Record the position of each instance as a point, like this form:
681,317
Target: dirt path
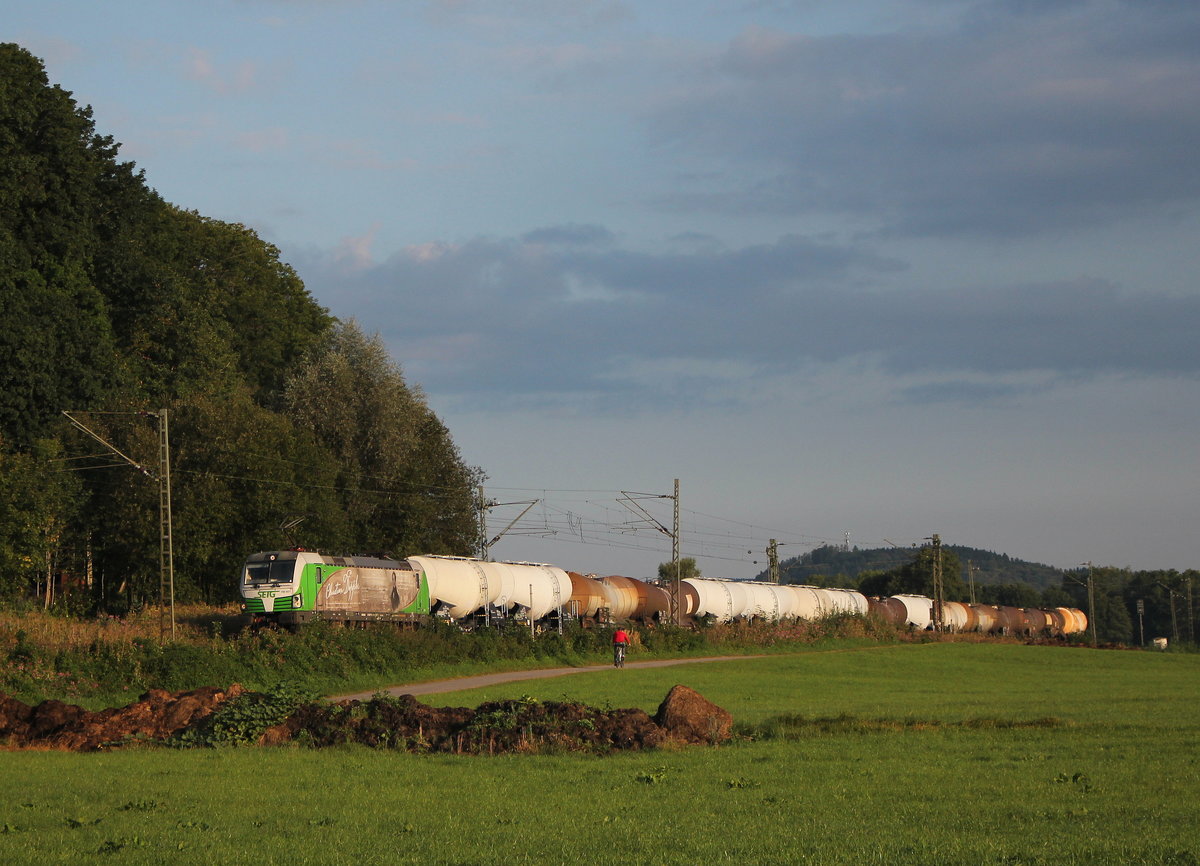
478,682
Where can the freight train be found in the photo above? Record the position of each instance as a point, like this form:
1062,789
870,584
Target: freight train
293,587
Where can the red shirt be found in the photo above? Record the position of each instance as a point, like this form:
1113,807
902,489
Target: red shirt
620,636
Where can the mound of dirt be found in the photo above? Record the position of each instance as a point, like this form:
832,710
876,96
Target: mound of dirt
496,727
522,726
688,716
157,715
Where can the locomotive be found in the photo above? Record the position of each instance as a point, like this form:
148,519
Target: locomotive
293,587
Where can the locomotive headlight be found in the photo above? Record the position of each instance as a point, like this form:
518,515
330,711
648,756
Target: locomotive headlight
297,600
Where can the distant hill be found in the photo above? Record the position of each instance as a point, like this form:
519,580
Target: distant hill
823,565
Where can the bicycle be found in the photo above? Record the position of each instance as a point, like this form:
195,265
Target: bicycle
619,655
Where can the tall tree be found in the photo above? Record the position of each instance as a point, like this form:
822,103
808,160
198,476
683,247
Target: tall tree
687,568
401,482
56,343
37,498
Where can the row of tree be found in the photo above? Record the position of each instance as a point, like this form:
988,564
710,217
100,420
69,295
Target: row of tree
1131,607
115,304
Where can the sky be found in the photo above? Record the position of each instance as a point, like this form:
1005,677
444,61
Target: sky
856,270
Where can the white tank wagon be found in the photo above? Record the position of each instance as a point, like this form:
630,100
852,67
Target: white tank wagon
918,610
459,587
724,600
766,601
807,603
847,601
727,600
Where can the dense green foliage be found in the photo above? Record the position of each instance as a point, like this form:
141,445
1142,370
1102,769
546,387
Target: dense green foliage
832,565
687,569
114,305
911,773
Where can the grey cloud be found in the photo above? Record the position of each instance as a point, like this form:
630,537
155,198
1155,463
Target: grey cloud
958,391
502,320
573,233
1024,117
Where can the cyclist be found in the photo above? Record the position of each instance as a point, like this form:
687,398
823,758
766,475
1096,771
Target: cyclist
620,644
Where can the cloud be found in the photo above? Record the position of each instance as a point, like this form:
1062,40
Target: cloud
238,78
1019,118
508,320
354,253
572,233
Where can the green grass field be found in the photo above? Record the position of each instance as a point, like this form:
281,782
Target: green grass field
939,753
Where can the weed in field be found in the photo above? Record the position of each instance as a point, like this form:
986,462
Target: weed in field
112,846
76,823
140,806
652,777
243,720
1080,781
741,783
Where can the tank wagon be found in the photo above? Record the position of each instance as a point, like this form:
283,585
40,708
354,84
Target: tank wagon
293,587
916,611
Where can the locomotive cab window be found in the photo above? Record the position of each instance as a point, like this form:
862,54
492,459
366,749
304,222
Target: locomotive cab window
277,569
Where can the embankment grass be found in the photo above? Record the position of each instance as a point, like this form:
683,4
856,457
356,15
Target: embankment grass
943,754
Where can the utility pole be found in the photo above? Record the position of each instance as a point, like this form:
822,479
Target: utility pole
1174,617
939,596
1091,585
481,507
676,612
166,550
674,595
773,559
166,547
971,579
1191,615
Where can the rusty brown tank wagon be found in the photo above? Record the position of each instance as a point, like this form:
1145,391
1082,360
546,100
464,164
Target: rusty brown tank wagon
293,587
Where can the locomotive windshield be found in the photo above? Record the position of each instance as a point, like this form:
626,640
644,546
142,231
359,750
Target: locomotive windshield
272,568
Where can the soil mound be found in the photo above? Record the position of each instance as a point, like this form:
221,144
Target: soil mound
493,728
157,715
207,716
689,717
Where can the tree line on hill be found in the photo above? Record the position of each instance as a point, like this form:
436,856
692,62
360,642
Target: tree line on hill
114,305
1167,605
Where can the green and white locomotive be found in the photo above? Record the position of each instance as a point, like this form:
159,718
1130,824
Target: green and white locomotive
292,587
